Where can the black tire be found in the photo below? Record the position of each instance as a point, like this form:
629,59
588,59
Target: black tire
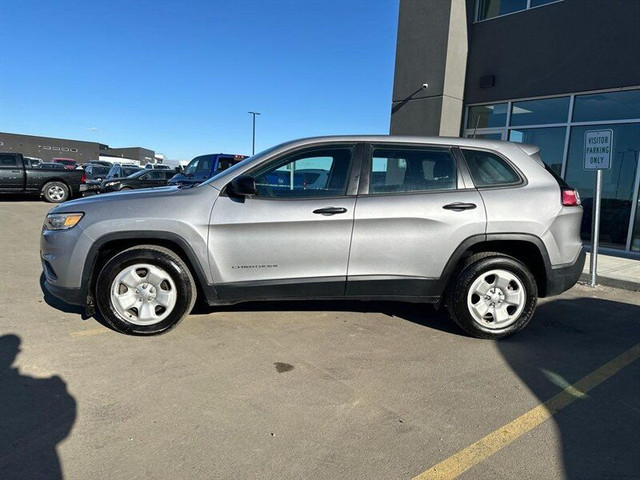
157,256
471,270
55,192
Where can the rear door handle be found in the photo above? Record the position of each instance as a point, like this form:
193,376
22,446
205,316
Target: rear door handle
330,210
459,206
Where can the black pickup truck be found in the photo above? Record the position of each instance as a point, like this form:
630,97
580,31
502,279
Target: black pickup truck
55,185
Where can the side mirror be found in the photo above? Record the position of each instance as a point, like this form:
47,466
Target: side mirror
243,185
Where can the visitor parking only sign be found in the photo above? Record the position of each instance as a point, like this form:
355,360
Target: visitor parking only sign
598,145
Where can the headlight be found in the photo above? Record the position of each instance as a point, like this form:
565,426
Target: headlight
61,221
111,184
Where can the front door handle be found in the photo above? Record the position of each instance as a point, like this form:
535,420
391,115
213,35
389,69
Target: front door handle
330,210
460,206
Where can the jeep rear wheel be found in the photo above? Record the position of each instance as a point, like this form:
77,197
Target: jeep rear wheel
493,296
145,290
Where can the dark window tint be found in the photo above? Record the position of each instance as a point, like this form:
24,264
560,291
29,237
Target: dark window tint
154,175
205,164
607,106
317,173
129,171
200,164
488,169
536,112
224,163
411,170
550,140
8,161
485,116
495,8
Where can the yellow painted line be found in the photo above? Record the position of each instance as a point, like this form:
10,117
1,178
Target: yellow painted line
87,333
487,446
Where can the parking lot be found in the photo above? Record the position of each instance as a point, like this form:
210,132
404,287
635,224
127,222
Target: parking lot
319,390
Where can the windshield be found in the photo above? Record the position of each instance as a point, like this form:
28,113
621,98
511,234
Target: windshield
99,171
126,171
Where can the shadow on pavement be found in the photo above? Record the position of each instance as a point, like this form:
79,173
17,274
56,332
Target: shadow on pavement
567,340
35,415
421,314
20,198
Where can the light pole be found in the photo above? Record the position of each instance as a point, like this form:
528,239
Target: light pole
253,147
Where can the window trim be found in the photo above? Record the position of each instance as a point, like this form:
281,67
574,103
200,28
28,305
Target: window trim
476,13
365,179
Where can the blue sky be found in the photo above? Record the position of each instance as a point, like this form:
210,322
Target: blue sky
180,76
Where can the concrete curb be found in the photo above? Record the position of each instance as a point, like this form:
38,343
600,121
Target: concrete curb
613,282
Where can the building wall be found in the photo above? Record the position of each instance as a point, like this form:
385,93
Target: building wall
565,47
143,155
47,148
431,49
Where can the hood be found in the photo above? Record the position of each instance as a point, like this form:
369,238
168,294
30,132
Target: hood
116,199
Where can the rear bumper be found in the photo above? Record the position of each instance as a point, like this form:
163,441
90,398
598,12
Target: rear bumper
563,278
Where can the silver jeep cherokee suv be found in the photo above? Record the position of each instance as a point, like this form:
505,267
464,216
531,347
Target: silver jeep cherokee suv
481,226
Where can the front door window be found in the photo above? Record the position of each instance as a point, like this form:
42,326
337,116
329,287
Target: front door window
316,173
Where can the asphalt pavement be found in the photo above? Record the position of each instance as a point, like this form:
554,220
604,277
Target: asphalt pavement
317,390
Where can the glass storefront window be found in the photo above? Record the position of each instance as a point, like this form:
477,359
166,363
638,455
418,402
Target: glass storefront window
495,8
486,116
550,140
607,106
635,236
544,122
485,136
617,183
540,112
538,3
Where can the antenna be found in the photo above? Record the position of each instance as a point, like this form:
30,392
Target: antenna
476,127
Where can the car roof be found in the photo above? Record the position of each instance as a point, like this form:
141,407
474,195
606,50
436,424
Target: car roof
423,140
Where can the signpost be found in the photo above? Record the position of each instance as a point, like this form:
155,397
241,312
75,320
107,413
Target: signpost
598,145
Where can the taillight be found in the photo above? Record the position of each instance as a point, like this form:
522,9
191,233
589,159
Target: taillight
570,197
83,177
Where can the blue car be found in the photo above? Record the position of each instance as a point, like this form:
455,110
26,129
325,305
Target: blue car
204,167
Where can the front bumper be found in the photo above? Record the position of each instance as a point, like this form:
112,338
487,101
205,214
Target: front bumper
562,278
72,296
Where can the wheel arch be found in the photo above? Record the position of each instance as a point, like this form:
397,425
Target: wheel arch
108,245
527,248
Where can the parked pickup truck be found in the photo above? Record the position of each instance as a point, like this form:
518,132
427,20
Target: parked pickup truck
55,185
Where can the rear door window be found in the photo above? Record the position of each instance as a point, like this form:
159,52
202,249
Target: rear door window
402,170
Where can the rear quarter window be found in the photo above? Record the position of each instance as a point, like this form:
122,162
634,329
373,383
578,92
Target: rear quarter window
489,170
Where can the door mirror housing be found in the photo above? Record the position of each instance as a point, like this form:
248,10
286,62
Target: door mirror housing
243,185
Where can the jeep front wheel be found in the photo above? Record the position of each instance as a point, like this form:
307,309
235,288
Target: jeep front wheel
145,290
